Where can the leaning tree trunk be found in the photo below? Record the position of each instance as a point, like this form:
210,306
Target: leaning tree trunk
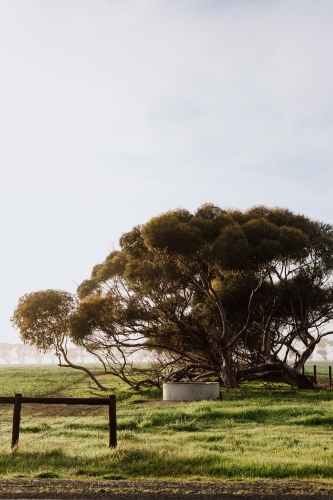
227,371
276,372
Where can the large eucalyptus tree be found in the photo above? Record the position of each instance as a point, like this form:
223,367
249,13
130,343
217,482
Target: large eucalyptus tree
219,293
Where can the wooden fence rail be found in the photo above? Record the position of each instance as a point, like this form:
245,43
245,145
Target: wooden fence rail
18,400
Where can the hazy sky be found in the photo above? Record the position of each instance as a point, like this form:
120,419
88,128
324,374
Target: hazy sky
112,111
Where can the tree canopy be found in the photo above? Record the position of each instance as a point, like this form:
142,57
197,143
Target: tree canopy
218,293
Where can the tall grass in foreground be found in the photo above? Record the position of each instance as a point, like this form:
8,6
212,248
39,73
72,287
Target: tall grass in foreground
254,432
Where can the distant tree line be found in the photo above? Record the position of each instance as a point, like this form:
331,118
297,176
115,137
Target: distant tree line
23,353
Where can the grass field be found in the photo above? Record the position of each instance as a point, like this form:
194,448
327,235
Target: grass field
255,432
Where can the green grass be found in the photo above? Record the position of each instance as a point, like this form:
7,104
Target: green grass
254,432
40,380
36,380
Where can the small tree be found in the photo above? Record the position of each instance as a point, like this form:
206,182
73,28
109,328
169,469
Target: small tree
6,351
22,351
43,319
36,354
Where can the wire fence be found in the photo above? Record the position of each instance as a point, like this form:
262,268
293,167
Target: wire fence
18,401
6,426
52,430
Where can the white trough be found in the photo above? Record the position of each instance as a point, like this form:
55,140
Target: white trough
191,391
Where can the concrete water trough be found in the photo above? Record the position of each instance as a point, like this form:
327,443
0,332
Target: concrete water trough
191,391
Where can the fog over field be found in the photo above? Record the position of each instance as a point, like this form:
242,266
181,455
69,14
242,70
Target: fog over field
112,112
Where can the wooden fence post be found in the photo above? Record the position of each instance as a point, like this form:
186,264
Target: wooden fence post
112,422
315,373
330,376
16,420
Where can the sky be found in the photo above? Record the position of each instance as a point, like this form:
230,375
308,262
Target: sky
112,112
